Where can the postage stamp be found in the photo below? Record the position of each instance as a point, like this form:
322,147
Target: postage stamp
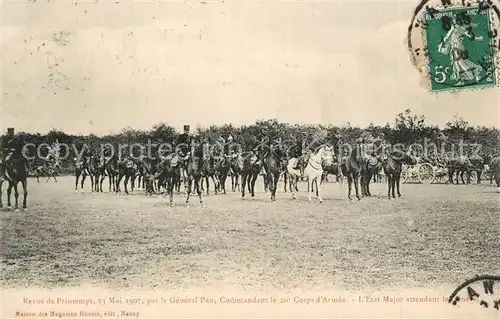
459,48
455,45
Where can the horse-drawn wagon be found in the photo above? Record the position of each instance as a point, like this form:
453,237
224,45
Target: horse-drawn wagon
424,173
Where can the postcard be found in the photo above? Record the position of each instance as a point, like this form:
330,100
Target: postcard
250,159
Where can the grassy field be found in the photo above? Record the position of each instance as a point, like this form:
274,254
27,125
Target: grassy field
434,234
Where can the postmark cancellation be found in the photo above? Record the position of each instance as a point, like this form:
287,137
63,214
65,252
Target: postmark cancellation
455,44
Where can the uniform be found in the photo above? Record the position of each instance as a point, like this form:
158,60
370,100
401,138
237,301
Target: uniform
183,146
12,146
183,142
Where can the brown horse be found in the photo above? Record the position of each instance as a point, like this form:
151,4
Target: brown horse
250,167
15,171
352,167
209,169
459,165
477,165
126,168
222,167
392,165
194,172
111,170
272,164
81,170
96,170
168,173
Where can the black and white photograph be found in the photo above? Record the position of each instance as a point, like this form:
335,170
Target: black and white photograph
250,159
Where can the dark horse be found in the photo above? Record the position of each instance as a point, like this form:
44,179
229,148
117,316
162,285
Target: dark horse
168,172
392,164
209,169
14,171
459,165
111,169
126,168
96,171
81,170
222,167
271,161
194,171
352,167
249,166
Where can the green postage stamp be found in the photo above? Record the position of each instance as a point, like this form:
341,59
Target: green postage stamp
455,44
459,46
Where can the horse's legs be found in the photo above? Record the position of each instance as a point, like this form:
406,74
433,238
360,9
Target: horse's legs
291,185
188,189
349,186
1,203
362,183
285,180
216,184
116,182
207,182
479,172
132,181
9,191
254,179
198,189
393,185
275,185
243,183
368,179
356,186
222,182
84,176
398,179
25,192
318,191
389,184
497,180
77,177
309,187
16,197
125,183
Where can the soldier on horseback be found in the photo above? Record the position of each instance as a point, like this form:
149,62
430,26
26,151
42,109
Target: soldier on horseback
305,153
52,156
12,147
183,147
228,146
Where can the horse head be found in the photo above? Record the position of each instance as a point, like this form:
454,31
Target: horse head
323,155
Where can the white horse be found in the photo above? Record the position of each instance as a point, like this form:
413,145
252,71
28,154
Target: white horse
322,157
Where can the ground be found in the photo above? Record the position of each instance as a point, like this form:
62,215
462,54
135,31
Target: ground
432,235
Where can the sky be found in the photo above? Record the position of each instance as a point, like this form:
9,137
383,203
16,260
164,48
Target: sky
98,67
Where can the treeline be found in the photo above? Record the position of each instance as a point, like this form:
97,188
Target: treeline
407,128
